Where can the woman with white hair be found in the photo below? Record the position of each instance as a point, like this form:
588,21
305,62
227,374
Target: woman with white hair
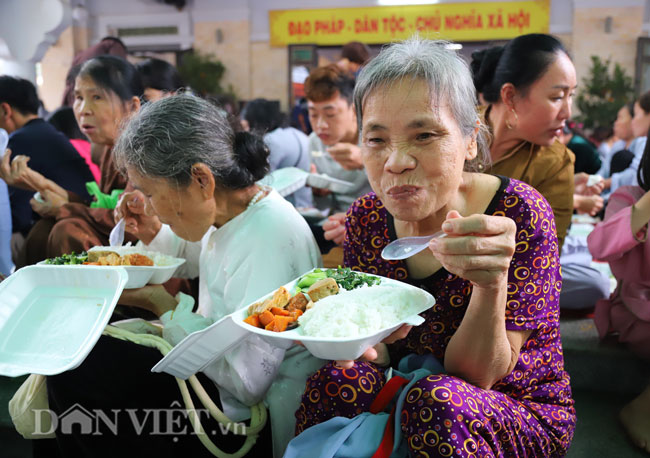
196,197
495,276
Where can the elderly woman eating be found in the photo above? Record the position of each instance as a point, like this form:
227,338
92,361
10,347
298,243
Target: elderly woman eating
495,275
196,198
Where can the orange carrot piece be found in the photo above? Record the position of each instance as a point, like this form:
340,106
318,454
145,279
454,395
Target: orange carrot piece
280,323
279,311
271,325
295,314
266,317
253,320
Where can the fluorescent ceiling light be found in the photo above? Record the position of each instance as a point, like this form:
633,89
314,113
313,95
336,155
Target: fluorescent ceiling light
406,2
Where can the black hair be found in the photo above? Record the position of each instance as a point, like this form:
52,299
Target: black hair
643,173
114,74
158,74
115,39
252,156
522,61
263,115
20,94
64,121
644,102
602,133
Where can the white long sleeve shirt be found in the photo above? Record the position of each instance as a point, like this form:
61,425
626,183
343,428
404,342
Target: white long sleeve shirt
256,252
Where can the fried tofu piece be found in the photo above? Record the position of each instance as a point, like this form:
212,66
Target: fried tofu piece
95,255
136,259
297,302
323,288
111,259
279,299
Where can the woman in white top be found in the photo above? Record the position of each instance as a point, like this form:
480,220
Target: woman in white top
196,197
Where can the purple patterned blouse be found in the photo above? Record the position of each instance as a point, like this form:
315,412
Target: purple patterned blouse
534,282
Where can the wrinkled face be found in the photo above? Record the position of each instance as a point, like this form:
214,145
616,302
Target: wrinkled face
413,150
623,124
641,121
333,120
184,209
544,109
99,113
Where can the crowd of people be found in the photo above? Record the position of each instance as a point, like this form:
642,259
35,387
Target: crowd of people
485,152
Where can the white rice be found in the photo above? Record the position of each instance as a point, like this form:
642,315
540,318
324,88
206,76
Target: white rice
361,312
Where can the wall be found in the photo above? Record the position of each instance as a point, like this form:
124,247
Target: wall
589,36
54,68
234,52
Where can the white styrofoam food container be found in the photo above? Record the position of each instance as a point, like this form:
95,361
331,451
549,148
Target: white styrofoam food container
201,348
340,348
316,180
290,179
138,276
52,316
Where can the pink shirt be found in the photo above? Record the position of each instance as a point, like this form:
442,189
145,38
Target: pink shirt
628,255
83,148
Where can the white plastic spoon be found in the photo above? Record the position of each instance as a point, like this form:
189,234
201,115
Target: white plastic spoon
408,246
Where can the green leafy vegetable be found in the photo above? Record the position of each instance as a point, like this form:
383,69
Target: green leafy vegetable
348,279
68,259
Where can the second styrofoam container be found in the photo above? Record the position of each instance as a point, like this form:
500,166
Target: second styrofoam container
52,316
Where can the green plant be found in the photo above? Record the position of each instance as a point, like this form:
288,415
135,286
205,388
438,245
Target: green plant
602,94
202,73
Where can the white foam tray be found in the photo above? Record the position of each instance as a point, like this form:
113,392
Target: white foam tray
201,348
52,316
290,179
138,276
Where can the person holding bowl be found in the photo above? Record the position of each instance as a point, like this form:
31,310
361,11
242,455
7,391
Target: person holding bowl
196,196
495,276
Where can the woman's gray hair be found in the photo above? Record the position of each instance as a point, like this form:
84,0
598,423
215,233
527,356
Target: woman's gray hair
447,75
167,137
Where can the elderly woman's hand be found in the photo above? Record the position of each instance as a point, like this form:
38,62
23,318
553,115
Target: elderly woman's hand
334,228
478,248
379,353
138,221
52,200
16,172
154,298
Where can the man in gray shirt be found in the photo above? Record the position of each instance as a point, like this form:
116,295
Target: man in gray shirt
334,142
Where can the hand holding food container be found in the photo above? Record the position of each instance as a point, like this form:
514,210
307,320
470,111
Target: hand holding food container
336,314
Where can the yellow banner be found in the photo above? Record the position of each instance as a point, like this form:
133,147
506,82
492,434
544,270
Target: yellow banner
384,24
